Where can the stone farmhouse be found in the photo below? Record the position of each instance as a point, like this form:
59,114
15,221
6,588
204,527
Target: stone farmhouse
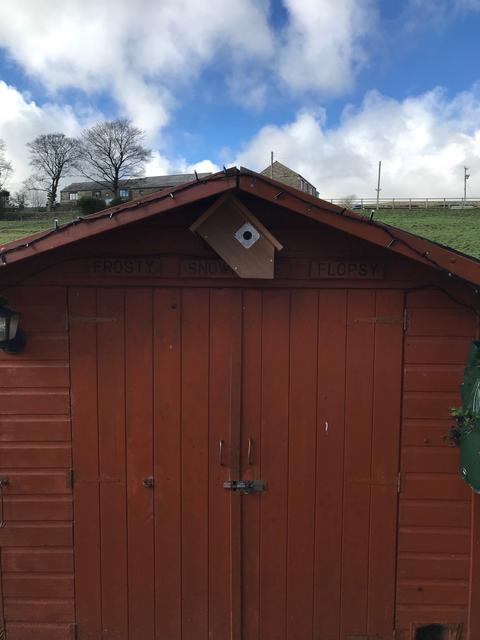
138,187
278,171
129,189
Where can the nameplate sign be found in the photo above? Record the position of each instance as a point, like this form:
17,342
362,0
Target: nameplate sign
215,268
346,270
199,268
139,267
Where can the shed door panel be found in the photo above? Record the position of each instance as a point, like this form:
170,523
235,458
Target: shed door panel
155,390
321,402
192,387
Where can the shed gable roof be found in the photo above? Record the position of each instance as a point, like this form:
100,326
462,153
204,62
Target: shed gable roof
244,180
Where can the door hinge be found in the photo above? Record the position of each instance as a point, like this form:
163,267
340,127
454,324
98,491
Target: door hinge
380,320
73,631
91,319
405,319
70,478
374,637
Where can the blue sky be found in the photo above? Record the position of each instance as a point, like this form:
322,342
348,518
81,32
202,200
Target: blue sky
330,86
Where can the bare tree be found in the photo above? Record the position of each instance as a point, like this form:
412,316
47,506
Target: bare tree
112,151
53,155
5,166
35,193
19,198
348,201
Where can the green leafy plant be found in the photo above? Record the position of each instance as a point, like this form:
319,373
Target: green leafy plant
466,421
115,201
89,205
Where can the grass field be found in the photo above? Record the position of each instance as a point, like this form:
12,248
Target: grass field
457,228
13,229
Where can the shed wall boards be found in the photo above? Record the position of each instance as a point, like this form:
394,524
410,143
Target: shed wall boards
234,440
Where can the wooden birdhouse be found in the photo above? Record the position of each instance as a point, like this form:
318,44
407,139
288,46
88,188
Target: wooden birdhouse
238,237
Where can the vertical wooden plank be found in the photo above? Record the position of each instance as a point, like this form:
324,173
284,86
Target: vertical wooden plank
332,312
358,443
301,464
2,600
387,392
274,463
138,398
224,424
83,362
195,463
474,586
251,431
167,463
111,442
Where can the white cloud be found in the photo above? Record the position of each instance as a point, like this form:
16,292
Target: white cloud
248,89
21,120
324,43
143,53
144,104
138,52
163,165
146,54
204,166
425,15
423,142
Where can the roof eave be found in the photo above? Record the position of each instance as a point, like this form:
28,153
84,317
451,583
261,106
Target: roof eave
116,217
396,240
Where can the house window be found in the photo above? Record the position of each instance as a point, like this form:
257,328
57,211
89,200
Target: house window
124,193
73,195
97,194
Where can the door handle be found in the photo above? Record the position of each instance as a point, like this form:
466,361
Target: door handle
149,482
250,451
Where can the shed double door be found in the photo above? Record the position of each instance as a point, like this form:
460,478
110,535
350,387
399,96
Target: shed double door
176,391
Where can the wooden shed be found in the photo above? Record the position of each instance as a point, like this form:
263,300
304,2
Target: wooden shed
187,454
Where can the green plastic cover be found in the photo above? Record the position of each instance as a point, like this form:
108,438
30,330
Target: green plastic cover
470,439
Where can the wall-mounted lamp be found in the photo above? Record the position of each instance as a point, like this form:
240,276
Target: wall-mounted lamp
12,339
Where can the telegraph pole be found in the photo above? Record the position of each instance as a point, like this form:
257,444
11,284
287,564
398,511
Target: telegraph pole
466,176
378,184
271,164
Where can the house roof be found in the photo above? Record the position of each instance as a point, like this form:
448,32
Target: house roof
149,182
243,180
288,171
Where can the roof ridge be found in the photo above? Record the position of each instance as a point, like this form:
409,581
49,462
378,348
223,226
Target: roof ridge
405,243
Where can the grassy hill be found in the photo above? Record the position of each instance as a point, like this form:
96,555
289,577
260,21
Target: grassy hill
14,229
457,228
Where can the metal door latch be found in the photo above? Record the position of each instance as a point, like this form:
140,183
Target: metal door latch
245,486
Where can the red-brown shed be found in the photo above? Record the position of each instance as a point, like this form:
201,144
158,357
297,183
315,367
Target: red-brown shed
189,454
